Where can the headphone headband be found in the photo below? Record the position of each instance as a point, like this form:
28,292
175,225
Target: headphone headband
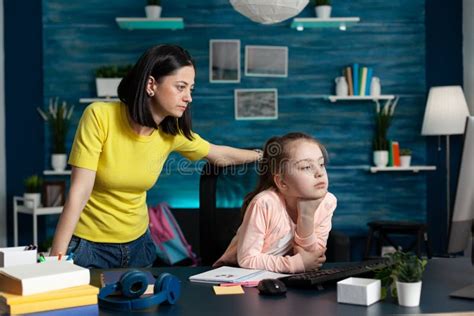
133,284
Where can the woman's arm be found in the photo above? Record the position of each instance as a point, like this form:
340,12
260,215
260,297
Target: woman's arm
225,155
82,182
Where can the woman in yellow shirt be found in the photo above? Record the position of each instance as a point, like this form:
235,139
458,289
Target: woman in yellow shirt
118,153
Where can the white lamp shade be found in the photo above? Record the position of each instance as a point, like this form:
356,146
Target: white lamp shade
446,111
269,11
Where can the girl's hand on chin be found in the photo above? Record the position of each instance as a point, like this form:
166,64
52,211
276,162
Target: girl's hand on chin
309,206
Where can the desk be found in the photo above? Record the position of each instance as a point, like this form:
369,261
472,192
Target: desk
441,277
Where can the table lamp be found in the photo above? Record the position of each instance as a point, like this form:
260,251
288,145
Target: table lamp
445,114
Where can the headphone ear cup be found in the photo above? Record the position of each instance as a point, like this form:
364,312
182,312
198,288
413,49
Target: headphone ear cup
133,284
170,285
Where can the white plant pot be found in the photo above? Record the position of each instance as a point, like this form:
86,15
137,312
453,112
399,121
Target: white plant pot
381,158
59,162
32,200
153,11
409,293
323,11
405,161
107,87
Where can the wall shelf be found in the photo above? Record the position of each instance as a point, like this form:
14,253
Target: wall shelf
150,24
335,98
342,23
56,173
90,100
411,168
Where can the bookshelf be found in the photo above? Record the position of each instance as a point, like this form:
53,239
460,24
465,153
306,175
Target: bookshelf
414,169
342,23
150,24
56,173
335,98
90,100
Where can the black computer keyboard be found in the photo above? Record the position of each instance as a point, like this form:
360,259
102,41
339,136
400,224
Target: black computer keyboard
318,277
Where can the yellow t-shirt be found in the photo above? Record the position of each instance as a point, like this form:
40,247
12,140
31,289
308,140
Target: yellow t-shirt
126,165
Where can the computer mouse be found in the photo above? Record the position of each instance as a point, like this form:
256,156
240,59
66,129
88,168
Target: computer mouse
271,287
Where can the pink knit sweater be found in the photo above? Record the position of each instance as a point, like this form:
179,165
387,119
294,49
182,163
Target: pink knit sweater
266,237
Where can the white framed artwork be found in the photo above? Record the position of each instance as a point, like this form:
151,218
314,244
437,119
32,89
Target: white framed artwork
256,104
224,61
266,61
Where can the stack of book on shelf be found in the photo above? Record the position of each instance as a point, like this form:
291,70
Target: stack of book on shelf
393,154
358,79
45,286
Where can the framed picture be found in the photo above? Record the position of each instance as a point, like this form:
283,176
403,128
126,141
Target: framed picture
256,104
224,61
266,61
54,193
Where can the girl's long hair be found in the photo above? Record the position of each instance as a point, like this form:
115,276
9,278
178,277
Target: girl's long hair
276,155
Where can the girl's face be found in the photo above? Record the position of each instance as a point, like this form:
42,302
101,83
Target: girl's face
305,173
173,94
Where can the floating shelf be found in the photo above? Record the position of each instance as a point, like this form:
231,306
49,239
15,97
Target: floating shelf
56,173
411,168
90,100
335,98
150,24
342,23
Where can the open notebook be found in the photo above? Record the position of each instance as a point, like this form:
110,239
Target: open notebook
227,274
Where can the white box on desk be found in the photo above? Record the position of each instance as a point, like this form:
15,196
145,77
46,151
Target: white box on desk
360,291
13,256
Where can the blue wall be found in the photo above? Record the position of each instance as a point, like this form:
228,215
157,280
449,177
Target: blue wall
390,38
23,93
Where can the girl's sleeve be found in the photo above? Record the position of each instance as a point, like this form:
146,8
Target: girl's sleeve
252,236
319,238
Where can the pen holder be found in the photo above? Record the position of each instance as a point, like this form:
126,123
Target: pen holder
14,256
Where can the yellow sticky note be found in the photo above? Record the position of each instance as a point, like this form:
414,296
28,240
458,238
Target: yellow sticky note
228,290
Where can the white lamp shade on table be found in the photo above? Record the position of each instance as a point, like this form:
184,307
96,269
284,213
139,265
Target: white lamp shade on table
269,11
446,111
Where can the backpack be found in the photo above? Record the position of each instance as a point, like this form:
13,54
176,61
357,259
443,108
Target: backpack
171,246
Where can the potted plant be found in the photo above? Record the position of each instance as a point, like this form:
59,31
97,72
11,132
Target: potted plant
383,118
153,9
405,157
107,79
322,8
58,118
32,193
402,278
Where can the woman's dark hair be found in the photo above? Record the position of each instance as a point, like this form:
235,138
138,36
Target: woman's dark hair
276,155
158,61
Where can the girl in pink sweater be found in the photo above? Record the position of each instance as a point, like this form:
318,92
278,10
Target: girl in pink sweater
287,218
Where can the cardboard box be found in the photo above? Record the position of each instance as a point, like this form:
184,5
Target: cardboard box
13,256
359,291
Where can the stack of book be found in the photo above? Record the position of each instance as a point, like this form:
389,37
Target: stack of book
44,287
358,79
394,154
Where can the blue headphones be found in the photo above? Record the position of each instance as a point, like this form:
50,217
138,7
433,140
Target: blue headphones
133,284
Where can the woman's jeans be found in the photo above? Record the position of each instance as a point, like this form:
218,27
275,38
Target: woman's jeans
139,253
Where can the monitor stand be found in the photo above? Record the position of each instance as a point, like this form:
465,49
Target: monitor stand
468,291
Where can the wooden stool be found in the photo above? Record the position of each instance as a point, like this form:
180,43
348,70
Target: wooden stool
379,231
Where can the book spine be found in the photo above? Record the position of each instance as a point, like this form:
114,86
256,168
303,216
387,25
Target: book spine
53,304
363,80
349,80
369,80
390,154
355,78
396,154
